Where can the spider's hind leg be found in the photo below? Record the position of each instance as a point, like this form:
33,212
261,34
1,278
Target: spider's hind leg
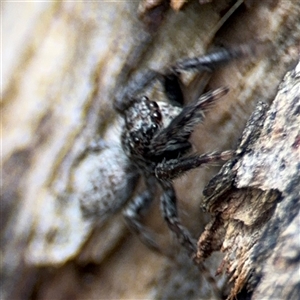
169,209
168,202
136,209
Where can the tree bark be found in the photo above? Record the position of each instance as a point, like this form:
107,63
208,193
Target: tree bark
255,200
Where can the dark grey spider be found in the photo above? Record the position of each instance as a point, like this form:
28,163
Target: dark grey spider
156,140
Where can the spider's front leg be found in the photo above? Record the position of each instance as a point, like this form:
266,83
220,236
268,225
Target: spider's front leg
169,209
171,78
173,168
137,208
213,60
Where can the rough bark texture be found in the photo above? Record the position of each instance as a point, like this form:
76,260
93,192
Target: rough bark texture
256,201
63,64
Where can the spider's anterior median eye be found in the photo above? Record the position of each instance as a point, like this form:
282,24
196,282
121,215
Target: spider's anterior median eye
136,140
153,104
156,115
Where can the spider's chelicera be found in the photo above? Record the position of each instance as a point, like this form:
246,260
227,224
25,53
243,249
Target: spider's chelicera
155,139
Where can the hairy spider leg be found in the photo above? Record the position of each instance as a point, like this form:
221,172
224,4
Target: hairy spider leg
205,63
170,214
169,209
173,168
137,208
215,59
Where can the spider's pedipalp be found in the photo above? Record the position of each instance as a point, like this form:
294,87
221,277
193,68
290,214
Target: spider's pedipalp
175,136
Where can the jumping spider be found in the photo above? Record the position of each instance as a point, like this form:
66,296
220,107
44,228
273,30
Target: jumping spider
156,140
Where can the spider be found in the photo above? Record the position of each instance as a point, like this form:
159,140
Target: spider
156,136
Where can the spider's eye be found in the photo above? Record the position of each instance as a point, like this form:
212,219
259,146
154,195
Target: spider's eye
153,104
135,138
156,115
154,126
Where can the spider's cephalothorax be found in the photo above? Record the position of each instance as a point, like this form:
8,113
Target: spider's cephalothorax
144,119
